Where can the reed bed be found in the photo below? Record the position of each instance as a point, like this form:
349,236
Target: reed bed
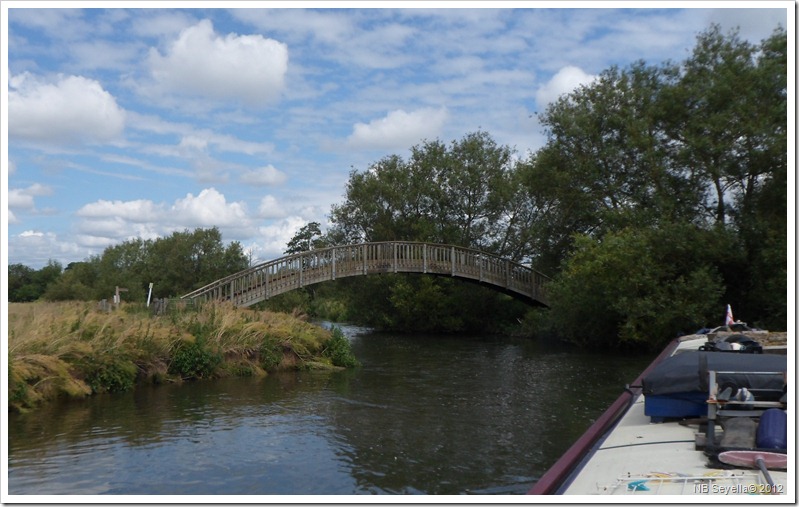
75,349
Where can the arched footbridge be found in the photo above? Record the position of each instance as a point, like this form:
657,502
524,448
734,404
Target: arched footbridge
291,272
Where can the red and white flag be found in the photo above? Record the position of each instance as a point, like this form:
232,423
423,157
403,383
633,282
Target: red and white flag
729,320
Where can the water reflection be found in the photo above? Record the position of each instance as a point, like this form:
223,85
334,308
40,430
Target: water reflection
425,414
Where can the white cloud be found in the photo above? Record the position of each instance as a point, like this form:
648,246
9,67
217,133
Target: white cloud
19,199
108,222
264,176
105,223
22,198
270,208
161,22
399,129
246,68
329,26
37,247
192,143
276,236
139,210
567,79
72,109
209,209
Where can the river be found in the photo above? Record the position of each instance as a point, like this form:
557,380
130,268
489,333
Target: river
423,415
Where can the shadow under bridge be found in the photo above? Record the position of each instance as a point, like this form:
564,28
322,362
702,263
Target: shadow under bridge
262,281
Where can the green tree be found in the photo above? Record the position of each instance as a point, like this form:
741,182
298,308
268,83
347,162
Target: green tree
761,212
122,266
309,237
187,260
636,287
464,193
27,284
460,194
75,283
21,287
646,151
606,164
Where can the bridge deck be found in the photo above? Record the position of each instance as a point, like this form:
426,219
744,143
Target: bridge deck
292,272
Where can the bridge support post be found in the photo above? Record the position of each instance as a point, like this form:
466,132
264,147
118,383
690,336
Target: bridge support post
333,274
395,256
424,258
452,254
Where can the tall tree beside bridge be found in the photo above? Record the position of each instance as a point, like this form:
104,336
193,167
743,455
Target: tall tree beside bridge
465,194
688,159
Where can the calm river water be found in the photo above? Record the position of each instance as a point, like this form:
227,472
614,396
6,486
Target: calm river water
424,415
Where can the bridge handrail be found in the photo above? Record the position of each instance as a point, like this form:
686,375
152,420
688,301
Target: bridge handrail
300,255
238,274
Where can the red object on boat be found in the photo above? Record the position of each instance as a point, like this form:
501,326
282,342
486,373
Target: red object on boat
750,458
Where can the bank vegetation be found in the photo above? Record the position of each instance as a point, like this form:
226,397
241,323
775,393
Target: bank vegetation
76,349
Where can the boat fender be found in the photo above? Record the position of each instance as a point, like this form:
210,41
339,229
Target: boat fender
772,431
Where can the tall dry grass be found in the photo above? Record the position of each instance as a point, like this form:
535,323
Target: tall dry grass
73,349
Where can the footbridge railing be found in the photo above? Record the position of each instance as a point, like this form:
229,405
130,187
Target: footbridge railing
285,274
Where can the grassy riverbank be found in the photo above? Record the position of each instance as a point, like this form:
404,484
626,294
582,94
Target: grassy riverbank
76,349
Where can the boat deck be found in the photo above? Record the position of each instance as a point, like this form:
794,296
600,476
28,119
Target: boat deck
639,457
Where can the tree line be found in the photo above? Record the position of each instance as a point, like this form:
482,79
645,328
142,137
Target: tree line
659,196
175,265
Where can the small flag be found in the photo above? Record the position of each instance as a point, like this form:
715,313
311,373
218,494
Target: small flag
729,320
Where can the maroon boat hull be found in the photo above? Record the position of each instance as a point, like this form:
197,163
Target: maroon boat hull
554,478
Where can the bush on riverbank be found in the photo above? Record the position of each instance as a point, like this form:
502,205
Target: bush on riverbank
75,349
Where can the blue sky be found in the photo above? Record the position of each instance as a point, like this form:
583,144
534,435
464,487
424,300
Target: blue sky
137,122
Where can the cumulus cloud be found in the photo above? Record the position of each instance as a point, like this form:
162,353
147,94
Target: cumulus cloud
270,208
73,109
399,129
567,79
264,176
208,209
246,68
108,222
36,248
275,237
23,198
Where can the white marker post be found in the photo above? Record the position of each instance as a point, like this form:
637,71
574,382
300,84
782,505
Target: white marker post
149,294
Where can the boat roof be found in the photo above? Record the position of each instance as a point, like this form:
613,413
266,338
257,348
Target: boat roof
639,457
